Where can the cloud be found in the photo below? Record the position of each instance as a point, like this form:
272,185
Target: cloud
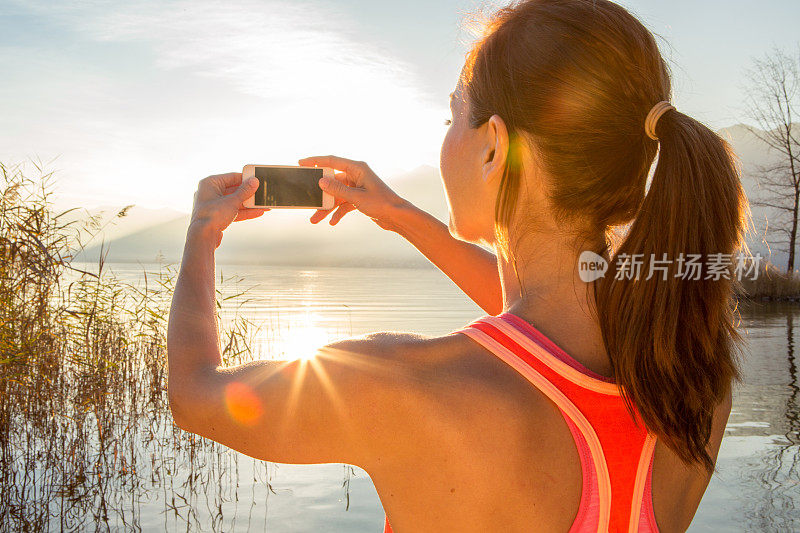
279,50
191,88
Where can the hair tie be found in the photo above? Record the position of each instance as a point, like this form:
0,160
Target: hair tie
653,116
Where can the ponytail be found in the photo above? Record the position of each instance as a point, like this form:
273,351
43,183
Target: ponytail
574,79
671,340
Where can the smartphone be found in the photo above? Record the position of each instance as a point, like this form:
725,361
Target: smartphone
289,187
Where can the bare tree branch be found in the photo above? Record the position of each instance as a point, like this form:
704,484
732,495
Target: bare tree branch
772,93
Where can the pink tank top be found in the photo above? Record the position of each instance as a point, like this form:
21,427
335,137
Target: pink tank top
616,453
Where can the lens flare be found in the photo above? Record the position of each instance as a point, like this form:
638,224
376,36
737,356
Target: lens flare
242,403
298,337
303,342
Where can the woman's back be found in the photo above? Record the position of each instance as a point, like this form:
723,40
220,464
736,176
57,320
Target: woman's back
520,436
556,120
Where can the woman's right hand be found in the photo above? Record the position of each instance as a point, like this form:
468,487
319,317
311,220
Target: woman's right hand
356,186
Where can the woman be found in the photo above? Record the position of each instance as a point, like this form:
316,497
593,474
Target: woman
575,403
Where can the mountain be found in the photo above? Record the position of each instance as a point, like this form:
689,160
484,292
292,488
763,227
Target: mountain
287,238
114,226
752,153
281,237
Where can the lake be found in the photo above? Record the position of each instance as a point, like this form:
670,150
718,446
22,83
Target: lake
180,482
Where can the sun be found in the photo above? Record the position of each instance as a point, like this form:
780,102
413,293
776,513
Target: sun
296,337
304,342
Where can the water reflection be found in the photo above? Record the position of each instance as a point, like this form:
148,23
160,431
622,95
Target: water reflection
298,336
764,426
101,451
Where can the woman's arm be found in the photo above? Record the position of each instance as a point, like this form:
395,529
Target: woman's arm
470,266
353,402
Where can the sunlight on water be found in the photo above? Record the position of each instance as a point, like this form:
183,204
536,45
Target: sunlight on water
146,474
298,336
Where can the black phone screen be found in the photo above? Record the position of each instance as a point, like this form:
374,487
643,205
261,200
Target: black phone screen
288,187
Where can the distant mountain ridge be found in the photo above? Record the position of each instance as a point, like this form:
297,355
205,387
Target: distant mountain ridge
752,153
278,237
288,238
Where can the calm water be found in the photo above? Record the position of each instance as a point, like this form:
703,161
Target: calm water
756,486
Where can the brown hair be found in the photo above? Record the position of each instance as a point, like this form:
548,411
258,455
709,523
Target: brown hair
577,78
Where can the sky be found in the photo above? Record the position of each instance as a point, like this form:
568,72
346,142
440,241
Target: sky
133,102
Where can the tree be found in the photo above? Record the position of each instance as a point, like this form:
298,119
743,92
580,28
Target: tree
772,93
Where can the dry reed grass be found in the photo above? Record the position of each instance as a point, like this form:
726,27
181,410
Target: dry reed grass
86,436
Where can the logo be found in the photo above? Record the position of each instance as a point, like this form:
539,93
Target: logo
591,266
716,267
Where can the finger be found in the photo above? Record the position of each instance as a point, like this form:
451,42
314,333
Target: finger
231,190
347,180
246,190
231,179
341,191
319,215
356,168
247,214
342,211
344,178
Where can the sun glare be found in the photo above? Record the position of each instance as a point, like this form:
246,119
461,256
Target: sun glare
300,338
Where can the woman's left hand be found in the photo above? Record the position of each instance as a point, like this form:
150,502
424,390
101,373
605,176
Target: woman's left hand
218,202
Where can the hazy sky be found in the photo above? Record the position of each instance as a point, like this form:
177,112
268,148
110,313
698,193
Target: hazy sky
137,101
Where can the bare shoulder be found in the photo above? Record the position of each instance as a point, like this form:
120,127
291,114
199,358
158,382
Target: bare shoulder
448,379
451,372
414,354
397,361
427,383
391,355
371,401
384,344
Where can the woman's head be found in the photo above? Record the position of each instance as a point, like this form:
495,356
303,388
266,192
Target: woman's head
573,80
548,135
470,162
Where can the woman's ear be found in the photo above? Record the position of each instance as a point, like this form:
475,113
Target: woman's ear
496,149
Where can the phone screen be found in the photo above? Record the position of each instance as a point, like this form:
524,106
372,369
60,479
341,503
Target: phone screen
288,187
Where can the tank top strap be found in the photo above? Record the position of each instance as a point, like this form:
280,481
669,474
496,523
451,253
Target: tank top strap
516,357
594,405
539,350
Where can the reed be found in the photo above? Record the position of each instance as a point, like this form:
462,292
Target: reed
770,283
86,437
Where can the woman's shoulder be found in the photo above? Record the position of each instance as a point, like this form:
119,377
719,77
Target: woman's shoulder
415,350
412,351
449,375
437,369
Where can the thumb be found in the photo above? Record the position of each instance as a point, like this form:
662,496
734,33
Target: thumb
246,189
340,190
